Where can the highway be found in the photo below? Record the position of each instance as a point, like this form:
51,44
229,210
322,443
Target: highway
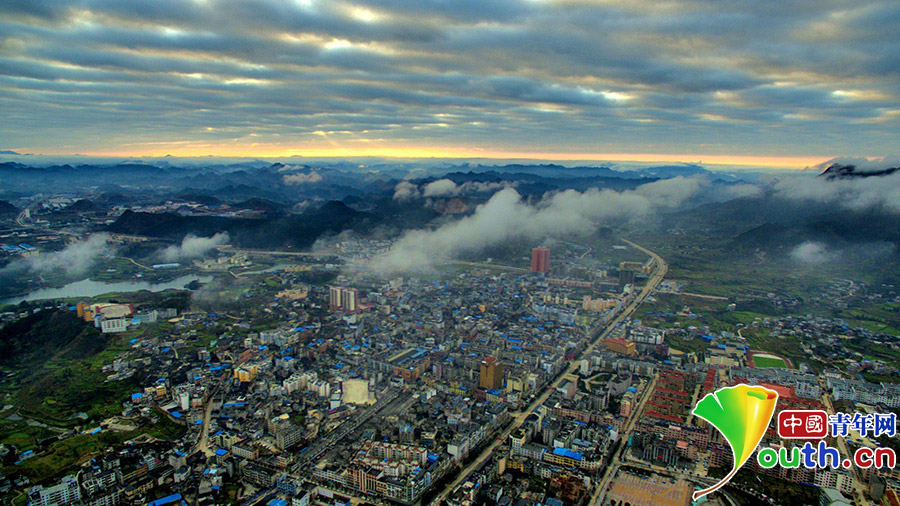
519,418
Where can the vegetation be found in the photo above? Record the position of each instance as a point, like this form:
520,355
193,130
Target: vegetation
55,362
879,318
762,362
62,455
46,336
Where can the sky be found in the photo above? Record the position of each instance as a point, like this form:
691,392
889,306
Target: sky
786,83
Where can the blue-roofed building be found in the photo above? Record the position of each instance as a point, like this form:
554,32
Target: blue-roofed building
169,499
567,453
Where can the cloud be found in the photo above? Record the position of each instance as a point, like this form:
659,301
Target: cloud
507,216
504,75
193,247
812,253
405,191
447,188
861,163
73,260
440,188
470,187
312,177
867,193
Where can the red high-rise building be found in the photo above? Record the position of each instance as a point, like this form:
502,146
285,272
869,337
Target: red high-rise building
540,260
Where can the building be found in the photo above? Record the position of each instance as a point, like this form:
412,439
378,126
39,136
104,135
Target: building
286,434
246,373
619,346
67,492
350,300
832,497
491,377
334,297
114,325
345,299
540,260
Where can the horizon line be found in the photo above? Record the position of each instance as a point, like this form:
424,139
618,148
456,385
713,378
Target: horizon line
414,153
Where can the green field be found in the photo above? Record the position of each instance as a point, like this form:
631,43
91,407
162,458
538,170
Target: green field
762,362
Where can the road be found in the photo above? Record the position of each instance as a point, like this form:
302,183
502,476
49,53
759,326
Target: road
489,265
519,418
203,443
328,440
613,466
203,440
231,249
142,266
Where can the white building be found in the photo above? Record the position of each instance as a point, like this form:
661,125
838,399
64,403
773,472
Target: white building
114,325
67,492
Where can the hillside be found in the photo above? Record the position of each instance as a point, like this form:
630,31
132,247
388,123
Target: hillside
55,373
46,335
7,208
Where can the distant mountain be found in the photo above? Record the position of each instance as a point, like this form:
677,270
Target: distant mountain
262,205
838,171
528,183
8,152
82,206
200,198
834,228
295,231
670,171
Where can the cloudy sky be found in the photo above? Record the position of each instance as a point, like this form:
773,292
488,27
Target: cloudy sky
787,82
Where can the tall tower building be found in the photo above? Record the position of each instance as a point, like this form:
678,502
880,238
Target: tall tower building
540,260
491,377
334,297
350,299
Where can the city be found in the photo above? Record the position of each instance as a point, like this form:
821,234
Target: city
554,377
449,253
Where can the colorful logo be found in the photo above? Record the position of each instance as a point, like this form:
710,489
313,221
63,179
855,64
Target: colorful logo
742,414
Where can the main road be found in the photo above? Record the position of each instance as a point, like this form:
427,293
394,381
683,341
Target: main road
600,333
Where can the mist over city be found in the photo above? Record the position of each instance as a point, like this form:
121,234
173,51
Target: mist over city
505,252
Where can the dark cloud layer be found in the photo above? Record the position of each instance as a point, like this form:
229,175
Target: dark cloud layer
705,76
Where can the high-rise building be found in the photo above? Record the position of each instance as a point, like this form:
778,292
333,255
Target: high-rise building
346,299
350,299
334,297
491,377
540,260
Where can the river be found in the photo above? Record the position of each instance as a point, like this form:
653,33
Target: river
89,288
